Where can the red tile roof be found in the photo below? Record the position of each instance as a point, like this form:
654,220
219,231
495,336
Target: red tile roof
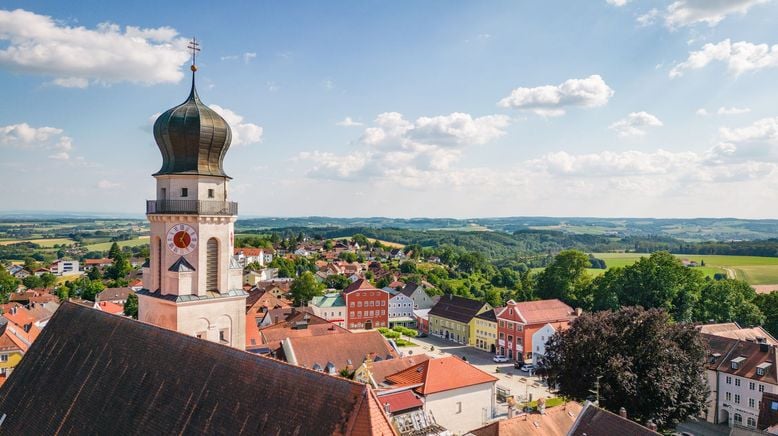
556,421
339,349
401,401
439,375
111,307
543,311
381,369
103,261
249,252
361,284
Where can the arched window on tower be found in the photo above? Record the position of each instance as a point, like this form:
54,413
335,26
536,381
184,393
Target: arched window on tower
212,265
158,262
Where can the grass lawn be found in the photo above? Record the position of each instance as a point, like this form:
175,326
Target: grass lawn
46,243
105,246
755,270
550,402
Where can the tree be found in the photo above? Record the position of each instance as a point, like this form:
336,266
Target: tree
644,362
87,289
8,284
348,256
729,300
304,288
362,240
94,273
566,278
114,251
32,282
48,279
337,281
120,267
131,306
408,267
768,305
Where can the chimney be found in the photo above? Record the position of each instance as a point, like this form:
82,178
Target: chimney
650,425
578,311
386,408
623,413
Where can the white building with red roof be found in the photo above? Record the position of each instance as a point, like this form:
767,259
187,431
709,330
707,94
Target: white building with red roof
518,323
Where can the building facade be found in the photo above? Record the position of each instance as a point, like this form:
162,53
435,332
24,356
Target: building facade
401,310
193,284
452,318
368,307
485,331
331,307
518,322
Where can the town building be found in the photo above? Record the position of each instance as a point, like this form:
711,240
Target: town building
368,307
418,293
248,255
333,353
331,307
593,420
97,263
114,295
459,395
374,372
422,317
518,322
297,325
103,374
64,267
554,421
193,284
400,310
452,316
485,330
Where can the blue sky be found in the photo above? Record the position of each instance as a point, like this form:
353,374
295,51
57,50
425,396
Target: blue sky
437,108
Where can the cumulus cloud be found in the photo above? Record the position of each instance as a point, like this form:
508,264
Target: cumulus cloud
739,57
76,56
107,184
635,124
702,112
348,122
764,130
733,110
242,132
617,3
405,151
25,136
687,12
553,100
648,18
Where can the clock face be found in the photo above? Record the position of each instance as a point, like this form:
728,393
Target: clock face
181,239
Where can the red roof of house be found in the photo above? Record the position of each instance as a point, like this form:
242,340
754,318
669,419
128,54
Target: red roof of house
103,261
361,284
543,311
251,252
401,401
111,307
439,375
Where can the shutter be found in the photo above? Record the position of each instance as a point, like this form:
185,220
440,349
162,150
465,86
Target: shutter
212,265
159,264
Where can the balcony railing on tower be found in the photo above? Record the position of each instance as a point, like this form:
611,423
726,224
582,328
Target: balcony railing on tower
200,207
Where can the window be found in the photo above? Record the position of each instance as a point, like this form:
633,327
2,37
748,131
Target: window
761,388
502,324
351,314
738,419
510,326
729,380
200,335
737,398
737,382
212,265
185,192
210,193
359,304
359,314
163,194
760,371
3,358
351,304
224,336
751,422
751,402
728,396
751,385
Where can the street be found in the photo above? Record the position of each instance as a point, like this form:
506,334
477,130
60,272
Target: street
520,384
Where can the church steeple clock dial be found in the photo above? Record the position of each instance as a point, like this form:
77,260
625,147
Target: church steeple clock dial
181,239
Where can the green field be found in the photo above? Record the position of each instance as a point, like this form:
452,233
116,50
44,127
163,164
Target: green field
753,269
45,243
105,246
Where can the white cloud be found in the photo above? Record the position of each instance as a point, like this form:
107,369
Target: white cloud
687,12
635,124
552,100
648,18
764,130
733,110
107,184
739,57
407,152
272,86
617,3
242,133
248,57
702,112
25,136
348,122
76,56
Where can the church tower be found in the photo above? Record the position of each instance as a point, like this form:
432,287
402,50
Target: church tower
193,284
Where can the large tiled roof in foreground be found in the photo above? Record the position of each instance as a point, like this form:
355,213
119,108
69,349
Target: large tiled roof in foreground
96,373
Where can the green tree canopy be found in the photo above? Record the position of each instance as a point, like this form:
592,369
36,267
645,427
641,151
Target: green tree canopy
114,251
647,364
131,306
566,278
337,281
304,288
728,300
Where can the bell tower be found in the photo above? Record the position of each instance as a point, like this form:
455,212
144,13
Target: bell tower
192,283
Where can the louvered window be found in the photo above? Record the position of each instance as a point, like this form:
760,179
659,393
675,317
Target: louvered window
212,265
159,263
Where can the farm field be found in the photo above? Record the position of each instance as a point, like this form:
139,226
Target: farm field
104,246
46,243
753,269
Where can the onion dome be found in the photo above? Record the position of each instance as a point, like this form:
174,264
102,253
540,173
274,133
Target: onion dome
192,137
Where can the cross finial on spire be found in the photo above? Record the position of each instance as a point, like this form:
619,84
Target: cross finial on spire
194,46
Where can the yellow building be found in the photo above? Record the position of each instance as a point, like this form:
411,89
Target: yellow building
452,318
11,352
484,330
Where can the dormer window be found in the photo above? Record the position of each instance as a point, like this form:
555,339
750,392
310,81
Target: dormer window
735,363
761,369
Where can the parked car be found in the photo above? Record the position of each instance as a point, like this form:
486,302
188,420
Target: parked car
500,359
422,335
528,368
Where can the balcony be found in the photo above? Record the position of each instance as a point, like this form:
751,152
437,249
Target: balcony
193,207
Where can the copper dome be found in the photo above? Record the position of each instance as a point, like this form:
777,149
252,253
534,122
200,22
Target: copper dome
193,138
